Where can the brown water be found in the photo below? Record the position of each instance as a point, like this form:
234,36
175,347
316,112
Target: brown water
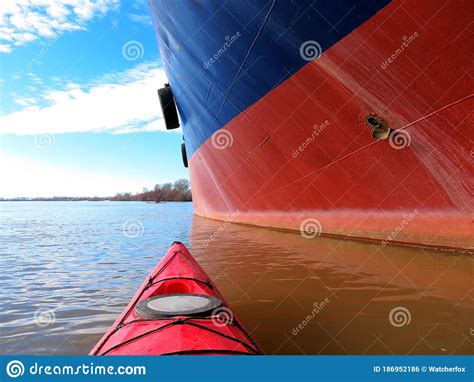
273,280
68,269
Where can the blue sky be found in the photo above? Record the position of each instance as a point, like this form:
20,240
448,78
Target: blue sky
79,114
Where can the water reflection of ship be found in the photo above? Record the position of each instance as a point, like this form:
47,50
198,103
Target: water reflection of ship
276,278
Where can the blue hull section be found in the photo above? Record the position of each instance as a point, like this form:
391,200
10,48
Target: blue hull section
223,56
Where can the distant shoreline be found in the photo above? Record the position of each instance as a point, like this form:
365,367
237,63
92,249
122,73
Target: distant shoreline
178,191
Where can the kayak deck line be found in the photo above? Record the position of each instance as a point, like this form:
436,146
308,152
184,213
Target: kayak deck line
201,332
184,322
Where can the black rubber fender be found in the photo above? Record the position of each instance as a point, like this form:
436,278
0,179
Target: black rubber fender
168,107
184,155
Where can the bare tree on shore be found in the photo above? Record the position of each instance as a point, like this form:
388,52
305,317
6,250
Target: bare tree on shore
177,192
180,191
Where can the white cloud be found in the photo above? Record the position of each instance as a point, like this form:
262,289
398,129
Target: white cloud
118,103
23,21
144,19
5,48
20,177
25,101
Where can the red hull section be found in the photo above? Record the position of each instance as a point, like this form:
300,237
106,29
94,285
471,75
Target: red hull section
304,152
219,333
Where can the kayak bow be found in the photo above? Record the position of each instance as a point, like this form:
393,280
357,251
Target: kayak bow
177,311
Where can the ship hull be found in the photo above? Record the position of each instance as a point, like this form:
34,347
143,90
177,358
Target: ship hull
302,156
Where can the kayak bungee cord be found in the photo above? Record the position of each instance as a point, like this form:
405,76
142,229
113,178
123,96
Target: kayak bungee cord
174,304
186,322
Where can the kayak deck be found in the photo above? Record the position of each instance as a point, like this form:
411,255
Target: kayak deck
143,330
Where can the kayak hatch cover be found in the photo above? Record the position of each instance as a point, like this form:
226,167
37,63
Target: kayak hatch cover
177,311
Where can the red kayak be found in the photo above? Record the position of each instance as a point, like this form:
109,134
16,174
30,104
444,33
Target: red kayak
177,311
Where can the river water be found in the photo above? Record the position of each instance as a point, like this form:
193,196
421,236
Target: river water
67,269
